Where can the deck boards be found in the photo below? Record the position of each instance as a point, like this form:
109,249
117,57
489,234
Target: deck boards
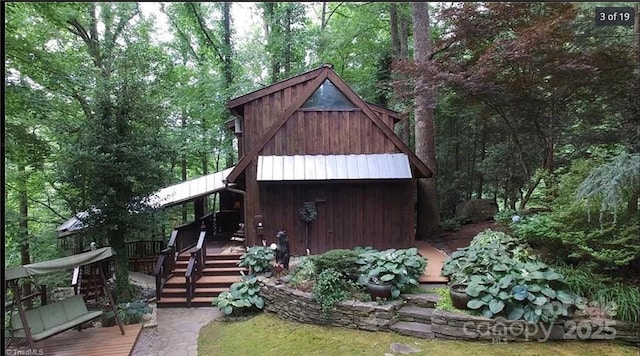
435,260
88,342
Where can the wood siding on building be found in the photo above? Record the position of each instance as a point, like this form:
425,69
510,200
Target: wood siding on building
328,132
350,214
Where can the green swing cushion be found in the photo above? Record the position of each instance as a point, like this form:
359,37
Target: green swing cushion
53,318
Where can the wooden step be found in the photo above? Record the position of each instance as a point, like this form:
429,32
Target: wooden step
200,292
181,302
409,328
224,271
417,314
204,282
210,263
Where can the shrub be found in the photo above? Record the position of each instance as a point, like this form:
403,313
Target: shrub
341,260
401,268
505,216
131,313
242,296
304,273
258,258
330,289
451,224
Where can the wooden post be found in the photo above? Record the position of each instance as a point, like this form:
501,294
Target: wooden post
113,304
17,299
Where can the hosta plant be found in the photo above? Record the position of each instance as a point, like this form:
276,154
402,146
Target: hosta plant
488,250
400,268
242,296
531,291
257,258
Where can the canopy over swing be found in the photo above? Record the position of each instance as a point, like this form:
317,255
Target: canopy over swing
48,320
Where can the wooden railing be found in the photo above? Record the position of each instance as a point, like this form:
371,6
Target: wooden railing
187,235
195,266
142,255
183,238
166,263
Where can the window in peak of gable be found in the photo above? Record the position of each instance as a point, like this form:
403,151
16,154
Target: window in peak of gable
327,96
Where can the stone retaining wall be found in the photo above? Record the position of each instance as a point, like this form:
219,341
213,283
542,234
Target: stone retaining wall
294,305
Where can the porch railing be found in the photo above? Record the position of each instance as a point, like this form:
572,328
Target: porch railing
195,266
142,255
183,238
166,263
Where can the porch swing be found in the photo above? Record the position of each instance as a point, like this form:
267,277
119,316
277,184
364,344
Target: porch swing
47,320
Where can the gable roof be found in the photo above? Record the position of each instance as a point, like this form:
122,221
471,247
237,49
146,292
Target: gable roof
316,77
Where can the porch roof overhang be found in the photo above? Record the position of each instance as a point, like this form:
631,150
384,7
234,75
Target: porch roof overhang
333,167
190,189
165,197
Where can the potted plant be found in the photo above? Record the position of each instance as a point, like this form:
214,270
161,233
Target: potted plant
378,288
458,294
397,268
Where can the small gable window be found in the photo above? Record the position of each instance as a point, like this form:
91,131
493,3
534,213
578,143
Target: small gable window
328,97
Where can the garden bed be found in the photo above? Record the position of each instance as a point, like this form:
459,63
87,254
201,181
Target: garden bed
298,306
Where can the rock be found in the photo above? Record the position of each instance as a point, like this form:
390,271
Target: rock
477,210
403,348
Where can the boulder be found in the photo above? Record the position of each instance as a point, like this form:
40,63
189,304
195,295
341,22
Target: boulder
477,210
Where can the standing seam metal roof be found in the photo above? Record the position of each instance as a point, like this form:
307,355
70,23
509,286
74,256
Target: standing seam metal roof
334,167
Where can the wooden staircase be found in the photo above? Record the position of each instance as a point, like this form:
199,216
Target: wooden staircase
219,273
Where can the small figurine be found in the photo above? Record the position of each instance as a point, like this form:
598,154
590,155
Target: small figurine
282,251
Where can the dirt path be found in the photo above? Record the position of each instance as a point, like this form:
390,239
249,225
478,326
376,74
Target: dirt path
450,241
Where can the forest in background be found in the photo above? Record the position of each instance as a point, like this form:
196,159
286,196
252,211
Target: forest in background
528,103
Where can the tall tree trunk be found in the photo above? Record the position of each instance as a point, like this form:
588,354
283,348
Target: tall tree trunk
228,70
287,41
23,198
227,50
399,36
428,215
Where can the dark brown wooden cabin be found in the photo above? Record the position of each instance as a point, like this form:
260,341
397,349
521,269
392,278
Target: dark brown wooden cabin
311,140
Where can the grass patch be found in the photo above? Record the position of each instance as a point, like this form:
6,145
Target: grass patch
267,335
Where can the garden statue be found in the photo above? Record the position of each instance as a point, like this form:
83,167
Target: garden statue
282,250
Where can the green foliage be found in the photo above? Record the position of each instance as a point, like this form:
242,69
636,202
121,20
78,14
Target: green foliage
305,272
612,184
504,278
401,268
505,216
341,260
453,224
131,313
258,258
444,303
620,301
330,289
482,253
242,296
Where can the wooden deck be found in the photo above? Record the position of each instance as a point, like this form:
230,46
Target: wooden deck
435,260
88,342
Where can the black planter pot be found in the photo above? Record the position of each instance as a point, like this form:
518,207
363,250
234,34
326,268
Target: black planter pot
382,291
459,298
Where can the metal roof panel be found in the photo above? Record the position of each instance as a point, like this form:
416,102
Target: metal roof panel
333,167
